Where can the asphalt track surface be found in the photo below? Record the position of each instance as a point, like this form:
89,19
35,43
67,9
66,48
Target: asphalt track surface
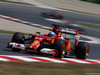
32,14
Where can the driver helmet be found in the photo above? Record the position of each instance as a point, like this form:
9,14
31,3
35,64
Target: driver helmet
51,34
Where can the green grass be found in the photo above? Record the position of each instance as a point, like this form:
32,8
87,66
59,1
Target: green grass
36,68
16,2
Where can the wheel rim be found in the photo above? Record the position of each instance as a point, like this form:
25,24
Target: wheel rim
63,52
64,49
87,51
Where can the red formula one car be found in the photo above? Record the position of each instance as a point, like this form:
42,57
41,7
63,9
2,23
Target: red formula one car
57,45
53,14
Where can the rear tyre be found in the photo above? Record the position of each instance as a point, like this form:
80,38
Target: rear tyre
82,50
60,45
18,38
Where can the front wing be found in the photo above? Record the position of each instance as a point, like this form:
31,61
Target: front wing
48,51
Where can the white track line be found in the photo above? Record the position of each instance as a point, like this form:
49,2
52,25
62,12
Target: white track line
94,60
24,59
53,60
76,60
2,59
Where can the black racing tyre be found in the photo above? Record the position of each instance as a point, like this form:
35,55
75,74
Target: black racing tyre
16,50
60,45
82,50
18,38
60,17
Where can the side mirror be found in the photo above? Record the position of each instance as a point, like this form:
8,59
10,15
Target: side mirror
38,33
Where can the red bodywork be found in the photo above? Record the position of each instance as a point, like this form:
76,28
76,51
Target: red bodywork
38,39
49,40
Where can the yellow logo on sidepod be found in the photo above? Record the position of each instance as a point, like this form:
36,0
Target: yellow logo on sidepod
35,42
68,46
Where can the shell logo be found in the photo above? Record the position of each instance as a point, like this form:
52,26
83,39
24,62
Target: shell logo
35,42
68,46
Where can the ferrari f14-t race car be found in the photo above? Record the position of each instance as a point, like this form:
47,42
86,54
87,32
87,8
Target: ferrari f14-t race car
57,45
53,14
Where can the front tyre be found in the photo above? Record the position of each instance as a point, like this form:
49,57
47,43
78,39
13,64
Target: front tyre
18,38
82,50
60,45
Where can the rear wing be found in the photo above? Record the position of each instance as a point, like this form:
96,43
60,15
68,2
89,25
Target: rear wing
68,31
65,30
72,32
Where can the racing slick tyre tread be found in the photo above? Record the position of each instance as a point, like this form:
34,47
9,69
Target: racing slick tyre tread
61,17
60,45
82,50
18,38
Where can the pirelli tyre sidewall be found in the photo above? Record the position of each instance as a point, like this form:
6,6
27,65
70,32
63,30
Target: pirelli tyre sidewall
82,50
18,38
60,45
